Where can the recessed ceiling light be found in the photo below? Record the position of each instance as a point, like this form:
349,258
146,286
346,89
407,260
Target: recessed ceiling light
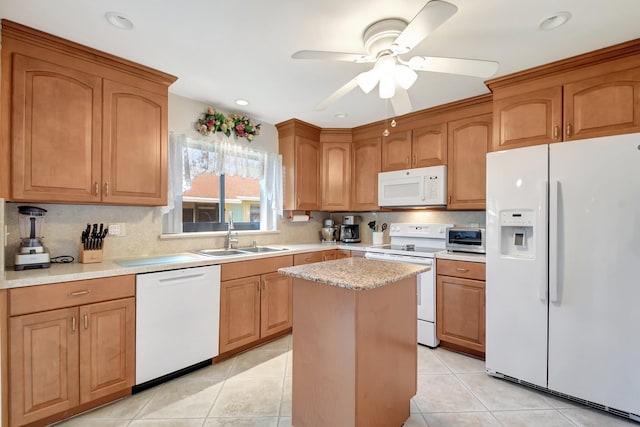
340,115
242,102
119,20
555,21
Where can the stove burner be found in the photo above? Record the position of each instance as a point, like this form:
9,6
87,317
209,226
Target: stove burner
408,247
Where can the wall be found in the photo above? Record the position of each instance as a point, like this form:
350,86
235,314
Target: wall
64,223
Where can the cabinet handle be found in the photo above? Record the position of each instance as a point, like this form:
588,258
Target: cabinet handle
86,321
258,287
568,129
79,293
298,204
96,187
556,132
415,160
106,188
264,285
308,259
407,161
462,270
449,199
73,324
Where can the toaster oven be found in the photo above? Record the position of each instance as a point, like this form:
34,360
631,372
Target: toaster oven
466,239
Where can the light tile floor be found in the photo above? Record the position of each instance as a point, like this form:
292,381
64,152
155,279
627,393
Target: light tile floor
254,390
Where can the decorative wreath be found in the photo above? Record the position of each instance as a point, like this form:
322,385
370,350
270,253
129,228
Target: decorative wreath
213,121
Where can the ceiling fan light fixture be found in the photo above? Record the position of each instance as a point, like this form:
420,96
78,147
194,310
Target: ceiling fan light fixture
387,87
417,62
404,76
368,80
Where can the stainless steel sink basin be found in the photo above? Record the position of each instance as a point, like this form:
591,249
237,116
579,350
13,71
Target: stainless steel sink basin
221,252
262,249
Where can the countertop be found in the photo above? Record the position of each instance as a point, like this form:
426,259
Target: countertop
107,268
357,274
461,256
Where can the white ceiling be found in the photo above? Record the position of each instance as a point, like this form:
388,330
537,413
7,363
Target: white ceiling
221,51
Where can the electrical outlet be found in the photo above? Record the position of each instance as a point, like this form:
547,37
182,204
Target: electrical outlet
117,229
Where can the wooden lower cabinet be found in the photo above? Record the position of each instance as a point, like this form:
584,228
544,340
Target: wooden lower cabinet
256,306
343,253
311,257
63,358
460,305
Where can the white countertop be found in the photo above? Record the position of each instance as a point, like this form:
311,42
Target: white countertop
461,256
77,271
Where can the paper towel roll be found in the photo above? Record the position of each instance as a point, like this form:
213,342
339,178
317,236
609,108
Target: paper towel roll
299,218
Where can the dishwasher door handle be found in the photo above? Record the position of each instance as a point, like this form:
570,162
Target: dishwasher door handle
180,278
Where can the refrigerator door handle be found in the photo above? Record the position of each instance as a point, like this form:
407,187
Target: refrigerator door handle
543,282
554,219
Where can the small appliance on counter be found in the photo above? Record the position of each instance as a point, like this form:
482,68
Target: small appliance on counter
466,239
329,231
349,230
31,253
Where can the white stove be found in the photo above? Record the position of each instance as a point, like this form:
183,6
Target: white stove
417,244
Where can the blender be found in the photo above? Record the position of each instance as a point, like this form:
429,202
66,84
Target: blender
31,253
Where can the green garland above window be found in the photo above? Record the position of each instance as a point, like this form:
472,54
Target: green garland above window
213,121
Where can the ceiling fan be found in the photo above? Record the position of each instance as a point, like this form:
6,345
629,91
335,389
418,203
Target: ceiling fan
385,41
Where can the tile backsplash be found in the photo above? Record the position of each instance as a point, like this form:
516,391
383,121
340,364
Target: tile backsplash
64,223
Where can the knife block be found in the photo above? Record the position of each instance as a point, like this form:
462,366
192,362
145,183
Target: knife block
90,256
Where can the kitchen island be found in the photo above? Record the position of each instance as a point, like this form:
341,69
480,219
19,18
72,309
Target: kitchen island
354,342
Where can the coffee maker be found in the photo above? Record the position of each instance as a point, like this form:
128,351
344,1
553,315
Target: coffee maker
349,230
31,253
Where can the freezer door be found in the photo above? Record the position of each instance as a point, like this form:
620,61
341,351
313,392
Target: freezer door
516,287
594,287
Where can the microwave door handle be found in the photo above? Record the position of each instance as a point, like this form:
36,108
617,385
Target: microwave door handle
423,188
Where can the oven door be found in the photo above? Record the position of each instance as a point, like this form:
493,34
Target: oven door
426,292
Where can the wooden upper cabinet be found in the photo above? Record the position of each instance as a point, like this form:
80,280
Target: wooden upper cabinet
364,174
396,151
55,132
429,146
134,148
528,119
85,126
466,173
307,174
603,105
336,176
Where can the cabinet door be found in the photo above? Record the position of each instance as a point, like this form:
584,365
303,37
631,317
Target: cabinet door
276,313
134,146
239,312
343,253
307,172
460,312
43,364
309,258
396,151
364,174
336,175
604,105
107,348
466,172
55,132
531,118
429,146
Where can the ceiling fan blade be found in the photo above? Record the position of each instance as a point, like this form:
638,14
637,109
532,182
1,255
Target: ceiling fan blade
332,56
400,102
466,67
432,15
351,84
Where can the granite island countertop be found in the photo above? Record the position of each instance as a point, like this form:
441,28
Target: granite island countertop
359,274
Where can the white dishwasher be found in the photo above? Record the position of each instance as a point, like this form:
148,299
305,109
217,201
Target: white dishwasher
177,320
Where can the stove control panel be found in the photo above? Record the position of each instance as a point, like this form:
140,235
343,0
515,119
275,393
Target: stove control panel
419,230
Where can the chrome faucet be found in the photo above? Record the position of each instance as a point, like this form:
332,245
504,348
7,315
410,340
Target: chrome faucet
230,241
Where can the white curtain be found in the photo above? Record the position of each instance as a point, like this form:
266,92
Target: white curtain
189,158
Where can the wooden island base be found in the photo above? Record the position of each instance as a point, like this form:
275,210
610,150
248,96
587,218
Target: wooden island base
354,354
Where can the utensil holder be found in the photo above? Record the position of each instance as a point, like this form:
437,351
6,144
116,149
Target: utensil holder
378,237
90,256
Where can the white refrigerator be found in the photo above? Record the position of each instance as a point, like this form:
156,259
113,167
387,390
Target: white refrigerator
563,269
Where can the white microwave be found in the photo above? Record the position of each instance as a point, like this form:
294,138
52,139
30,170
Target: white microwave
413,187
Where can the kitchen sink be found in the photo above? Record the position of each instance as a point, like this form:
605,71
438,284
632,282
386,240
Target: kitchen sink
221,252
262,249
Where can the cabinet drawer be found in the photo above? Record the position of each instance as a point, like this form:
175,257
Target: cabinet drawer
256,267
311,257
33,299
465,269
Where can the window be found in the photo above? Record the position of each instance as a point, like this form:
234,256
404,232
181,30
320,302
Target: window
209,180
